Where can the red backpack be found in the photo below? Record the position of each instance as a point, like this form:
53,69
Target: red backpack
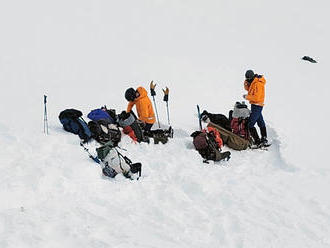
239,126
240,119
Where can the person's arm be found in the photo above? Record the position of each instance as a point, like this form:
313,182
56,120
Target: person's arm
246,85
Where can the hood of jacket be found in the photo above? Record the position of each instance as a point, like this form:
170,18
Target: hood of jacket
142,91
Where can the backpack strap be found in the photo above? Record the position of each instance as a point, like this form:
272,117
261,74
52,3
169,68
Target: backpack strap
129,162
211,142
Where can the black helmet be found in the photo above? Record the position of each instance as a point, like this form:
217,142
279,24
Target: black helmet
249,74
130,94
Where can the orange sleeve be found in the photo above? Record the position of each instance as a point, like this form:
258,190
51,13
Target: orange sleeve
246,85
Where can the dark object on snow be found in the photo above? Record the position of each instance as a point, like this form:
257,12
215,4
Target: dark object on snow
160,135
73,122
218,119
309,59
206,145
103,131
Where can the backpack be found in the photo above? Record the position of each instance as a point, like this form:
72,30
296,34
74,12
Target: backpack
116,163
205,142
73,122
131,127
239,121
218,119
103,131
99,114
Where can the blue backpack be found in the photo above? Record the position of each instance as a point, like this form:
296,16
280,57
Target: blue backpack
99,114
73,122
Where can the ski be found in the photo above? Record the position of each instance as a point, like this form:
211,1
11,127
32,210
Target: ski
199,117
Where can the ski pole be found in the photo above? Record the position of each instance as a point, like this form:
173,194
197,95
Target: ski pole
166,93
96,159
45,116
153,93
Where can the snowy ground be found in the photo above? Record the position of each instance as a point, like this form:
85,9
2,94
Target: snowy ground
84,54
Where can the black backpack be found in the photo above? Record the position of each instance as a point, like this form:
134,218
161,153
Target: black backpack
103,131
218,119
73,122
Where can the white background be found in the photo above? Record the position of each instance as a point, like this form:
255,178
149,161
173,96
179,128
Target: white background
84,54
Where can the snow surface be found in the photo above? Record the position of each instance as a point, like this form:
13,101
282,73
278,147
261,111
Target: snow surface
84,54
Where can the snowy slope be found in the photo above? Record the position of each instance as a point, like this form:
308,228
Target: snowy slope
84,54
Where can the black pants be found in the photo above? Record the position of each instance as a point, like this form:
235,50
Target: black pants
147,127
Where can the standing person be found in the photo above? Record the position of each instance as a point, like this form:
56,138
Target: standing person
255,85
140,99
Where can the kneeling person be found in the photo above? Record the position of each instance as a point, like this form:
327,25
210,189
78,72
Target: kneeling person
144,109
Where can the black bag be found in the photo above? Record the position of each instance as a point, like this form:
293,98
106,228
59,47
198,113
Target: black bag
103,132
73,122
218,119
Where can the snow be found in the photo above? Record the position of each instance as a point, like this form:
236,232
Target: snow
84,54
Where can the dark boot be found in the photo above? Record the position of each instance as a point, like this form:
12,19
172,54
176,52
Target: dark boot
225,155
263,132
254,135
160,138
169,132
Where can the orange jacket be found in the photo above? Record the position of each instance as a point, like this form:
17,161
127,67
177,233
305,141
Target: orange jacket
143,107
256,90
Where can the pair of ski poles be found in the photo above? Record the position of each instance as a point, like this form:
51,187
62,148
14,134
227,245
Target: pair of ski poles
165,99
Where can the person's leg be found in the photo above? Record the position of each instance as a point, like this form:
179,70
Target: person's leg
147,127
260,120
262,126
255,114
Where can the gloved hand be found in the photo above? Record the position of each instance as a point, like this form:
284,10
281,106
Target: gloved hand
152,88
166,92
244,96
